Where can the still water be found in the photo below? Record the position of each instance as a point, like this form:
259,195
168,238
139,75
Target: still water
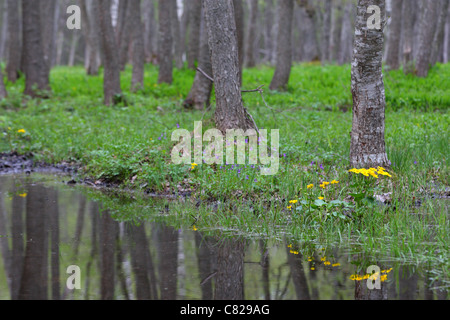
57,242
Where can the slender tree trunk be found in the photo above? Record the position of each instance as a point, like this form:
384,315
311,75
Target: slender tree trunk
326,32
150,42
92,39
165,56
367,136
125,40
194,34
393,54
280,79
3,28
251,48
14,47
428,29
408,36
111,81
438,39
200,93
345,52
230,112
268,25
35,65
178,54
137,80
48,9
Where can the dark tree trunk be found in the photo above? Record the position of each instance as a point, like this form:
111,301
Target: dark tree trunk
107,241
280,79
150,42
35,65
229,281
194,33
345,52
200,93
176,35
393,54
48,28
251,47
165,56
14,47
92,62
168,262
230,112
427,31
111,81
137,80
369,102
125,35
326,32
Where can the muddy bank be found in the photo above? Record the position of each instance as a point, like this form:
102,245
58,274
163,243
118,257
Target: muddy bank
14,163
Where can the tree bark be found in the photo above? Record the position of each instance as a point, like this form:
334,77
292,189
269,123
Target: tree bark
239,18
280,79
230,112
111,81
126,30
326,32
35,65
48,27
137,80
165,56
345,51
14,47
92,39
393,54
194,33
200,93
150,39
251,46
367,137
427,31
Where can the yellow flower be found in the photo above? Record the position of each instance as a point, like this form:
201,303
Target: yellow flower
310,186
194,164
309,259
334,182
23,195
323,259
293,201
325,183
322,186
383,277
194,228
289,207
21,131
327,263
336,264
312,268
289,246
321,198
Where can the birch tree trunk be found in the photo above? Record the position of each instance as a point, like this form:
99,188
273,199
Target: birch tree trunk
428,29
14,47
230,112
393,54
111,81
367,137
165,56
280,78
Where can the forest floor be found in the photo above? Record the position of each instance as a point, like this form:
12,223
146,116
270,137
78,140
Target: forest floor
404,213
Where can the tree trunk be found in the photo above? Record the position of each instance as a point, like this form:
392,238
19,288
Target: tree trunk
165,56
393,54
427,31
176,35
92,62
35,65
438,39
251,47
345,51
150,42
268,26
48,26
14,47
408,36
367,137
111,80
137,80
326,32
194,34
124,35
200,93
280,79
230,112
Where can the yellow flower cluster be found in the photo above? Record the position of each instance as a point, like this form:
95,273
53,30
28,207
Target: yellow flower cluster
21,131
383,276
193,166
371,172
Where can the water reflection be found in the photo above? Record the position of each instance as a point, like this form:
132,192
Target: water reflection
45,228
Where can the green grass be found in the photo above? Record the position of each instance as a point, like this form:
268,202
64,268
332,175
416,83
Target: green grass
130,145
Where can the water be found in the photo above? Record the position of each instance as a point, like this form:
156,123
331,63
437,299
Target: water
49,229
